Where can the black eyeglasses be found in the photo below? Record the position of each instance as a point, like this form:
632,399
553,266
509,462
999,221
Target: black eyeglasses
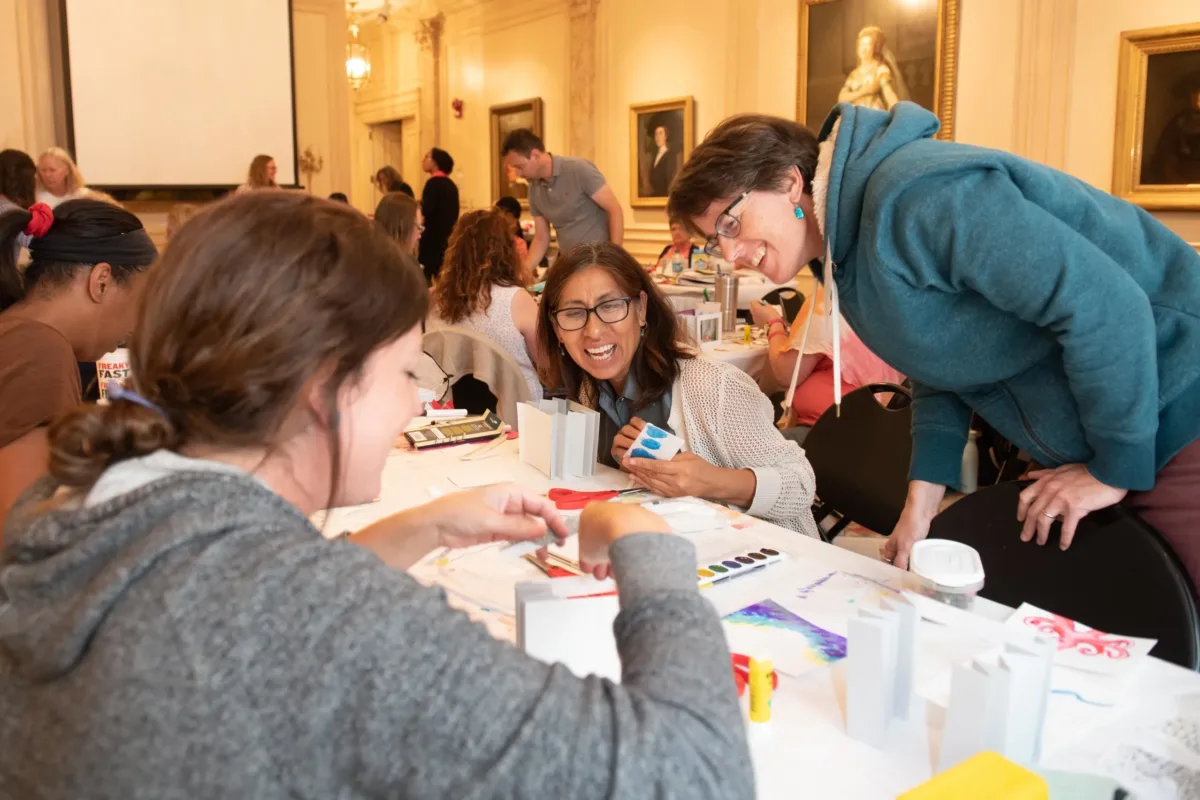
609,312
727,225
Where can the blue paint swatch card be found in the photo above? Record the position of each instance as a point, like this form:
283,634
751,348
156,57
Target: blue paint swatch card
653,442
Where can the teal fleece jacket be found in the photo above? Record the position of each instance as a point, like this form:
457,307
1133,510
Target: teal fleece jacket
1065,317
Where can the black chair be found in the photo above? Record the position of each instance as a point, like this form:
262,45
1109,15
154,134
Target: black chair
1118,575
789,300
861,459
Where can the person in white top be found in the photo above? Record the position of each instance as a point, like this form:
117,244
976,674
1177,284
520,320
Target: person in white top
613,342
479,288
58,178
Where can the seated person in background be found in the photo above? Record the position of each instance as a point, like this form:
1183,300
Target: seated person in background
75,302
481,288
814,381
260,175
59,179
399,216
18,180
172,597
613,342
340,197
677,256
512,208
389,180
178,215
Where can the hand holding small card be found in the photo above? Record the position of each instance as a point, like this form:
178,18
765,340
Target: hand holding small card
655,443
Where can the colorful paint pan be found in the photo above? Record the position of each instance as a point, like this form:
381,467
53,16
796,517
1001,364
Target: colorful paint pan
736,566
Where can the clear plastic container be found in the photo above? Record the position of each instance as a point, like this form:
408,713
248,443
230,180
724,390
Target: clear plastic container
946,571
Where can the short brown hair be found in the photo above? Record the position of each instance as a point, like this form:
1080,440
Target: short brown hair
656,363
480,254
396,215
523,141
256,177
745,153
255,298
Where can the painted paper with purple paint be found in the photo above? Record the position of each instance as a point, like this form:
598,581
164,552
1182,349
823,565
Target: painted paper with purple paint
768,630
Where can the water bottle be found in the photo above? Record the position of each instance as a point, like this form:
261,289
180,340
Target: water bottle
968,480
676,263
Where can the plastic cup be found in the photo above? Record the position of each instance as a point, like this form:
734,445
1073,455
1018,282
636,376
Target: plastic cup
949,572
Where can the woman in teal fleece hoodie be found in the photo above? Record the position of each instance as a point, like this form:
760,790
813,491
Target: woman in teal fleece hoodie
1066,318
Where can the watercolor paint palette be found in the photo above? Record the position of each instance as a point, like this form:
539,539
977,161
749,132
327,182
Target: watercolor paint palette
736,566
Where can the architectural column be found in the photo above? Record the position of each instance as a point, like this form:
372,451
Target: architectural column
429,38
1045,52
581,82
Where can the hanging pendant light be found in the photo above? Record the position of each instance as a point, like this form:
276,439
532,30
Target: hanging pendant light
358,57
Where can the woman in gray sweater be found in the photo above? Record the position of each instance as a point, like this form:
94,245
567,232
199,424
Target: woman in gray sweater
171,624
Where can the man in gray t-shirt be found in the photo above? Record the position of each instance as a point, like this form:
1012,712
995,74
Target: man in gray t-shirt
568,193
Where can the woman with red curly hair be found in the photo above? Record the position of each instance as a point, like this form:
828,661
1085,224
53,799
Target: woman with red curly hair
480,288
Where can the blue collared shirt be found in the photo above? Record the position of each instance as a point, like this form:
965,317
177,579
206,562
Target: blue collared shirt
618,411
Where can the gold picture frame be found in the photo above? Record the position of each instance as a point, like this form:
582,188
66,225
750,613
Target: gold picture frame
650,174
945,68
505,118
1146,92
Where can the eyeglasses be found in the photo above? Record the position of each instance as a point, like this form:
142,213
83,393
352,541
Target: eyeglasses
727,225
609,312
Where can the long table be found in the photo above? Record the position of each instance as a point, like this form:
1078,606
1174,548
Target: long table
805,750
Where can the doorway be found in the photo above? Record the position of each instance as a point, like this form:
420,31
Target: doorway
387,149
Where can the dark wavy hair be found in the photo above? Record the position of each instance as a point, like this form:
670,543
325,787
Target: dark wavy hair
256,297
18,177
656,363
85,218
442,160
480,254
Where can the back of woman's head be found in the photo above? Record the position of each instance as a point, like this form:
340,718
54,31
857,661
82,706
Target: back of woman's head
84,232
751,152
258,297
18,177
396,215
257,176
654,366
479,255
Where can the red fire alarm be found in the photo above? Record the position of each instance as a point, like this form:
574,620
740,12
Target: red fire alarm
457,105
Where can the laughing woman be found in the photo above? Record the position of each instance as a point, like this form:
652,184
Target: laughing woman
615,347
1065,317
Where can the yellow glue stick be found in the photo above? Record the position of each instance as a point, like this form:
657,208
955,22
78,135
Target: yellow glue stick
760,691
747,334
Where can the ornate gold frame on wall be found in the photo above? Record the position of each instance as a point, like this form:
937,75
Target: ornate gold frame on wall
1136,49
946,65
533,104
684,104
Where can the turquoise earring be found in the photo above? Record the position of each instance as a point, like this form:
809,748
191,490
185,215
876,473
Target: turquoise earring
799,212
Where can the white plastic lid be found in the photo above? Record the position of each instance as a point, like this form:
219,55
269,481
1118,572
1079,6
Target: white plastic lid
953,565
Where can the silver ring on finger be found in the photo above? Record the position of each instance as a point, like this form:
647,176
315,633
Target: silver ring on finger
1048,514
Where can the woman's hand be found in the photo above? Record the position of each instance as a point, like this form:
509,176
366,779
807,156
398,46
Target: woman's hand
920,507
625,438
685,475
503,512
601,524
763,314
1069,492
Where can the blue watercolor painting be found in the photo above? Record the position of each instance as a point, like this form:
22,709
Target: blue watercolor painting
819,645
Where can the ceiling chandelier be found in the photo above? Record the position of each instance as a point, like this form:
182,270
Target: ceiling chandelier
358,57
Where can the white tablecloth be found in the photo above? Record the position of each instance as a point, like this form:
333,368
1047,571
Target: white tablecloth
805,752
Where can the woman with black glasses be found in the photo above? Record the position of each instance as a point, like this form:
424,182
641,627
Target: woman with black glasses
613,344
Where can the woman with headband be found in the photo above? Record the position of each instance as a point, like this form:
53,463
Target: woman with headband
74,302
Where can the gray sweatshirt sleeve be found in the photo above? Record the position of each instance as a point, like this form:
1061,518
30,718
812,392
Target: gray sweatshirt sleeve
418,701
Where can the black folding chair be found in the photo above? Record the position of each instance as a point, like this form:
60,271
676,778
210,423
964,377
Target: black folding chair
790,300
1118,576
861,459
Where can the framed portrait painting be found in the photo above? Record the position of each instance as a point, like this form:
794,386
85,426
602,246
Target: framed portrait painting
661,137
507,118
1156,161
876,53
